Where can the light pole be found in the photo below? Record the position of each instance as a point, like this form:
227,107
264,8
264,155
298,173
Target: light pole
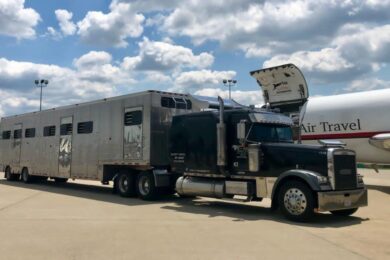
41,84
229,83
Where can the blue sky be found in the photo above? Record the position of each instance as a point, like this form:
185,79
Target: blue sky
93,49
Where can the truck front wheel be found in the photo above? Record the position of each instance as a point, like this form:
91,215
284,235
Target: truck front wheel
296,201
344,212
146,187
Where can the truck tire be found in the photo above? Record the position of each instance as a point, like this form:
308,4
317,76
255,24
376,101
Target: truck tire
9,176
26,177
344,212
296,201
60,180
125,184
146,188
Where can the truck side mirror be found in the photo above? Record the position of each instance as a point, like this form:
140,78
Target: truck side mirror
241,135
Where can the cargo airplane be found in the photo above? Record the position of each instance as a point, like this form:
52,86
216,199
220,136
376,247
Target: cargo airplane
359,120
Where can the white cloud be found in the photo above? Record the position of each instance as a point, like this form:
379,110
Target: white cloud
94,77
192,81
243,97
93,59
16,20
367,84
65,21
160,56
51,32
113,28
357,51
263,28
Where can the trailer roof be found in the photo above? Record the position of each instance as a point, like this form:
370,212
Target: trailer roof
99,101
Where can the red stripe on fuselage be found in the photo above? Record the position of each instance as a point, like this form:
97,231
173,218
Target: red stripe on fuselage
342,135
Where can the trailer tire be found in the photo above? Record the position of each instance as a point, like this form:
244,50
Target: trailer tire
60,180
296,201
9,176
125,184
146,188
344,212
26,177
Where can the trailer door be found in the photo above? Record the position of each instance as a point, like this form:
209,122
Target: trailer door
133,137
65,148
17,144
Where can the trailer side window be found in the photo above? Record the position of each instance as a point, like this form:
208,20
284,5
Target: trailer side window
66,129
29,133
6,135
49,130
133,118
85,127
18,134
179,103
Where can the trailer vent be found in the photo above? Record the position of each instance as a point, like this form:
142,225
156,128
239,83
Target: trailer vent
66,129
29,133
6,135
176,102
49,130
17,133
133,118
85,127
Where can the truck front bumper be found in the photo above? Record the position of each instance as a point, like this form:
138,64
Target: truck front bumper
346,199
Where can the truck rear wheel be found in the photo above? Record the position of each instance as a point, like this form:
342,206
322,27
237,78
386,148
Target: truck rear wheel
125,184
9,176
146,188
344,212
26,177
296,201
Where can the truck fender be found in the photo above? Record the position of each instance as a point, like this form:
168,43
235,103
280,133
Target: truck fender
308,177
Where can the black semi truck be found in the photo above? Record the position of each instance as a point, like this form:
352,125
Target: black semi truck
251,152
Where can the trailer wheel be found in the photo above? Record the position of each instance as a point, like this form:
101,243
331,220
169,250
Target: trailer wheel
60,180
296,201
125,184
344,212
26,177
146,188
9,175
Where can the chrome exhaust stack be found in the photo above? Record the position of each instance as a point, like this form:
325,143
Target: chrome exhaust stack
221,137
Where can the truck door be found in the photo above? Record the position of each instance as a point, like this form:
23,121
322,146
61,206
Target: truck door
17,144
284,87
65,147
133,137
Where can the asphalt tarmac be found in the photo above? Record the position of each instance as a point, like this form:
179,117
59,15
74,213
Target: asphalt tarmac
84,220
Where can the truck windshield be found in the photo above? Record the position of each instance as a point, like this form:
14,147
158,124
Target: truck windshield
270,133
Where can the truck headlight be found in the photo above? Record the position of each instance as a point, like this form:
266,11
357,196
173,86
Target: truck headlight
322,179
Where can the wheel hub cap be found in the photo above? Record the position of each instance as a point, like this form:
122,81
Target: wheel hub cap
295,201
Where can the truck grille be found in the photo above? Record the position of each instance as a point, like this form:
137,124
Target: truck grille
345,171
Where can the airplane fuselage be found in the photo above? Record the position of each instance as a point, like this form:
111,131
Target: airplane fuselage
353,118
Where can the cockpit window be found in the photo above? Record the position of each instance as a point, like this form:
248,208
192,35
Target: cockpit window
270,133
